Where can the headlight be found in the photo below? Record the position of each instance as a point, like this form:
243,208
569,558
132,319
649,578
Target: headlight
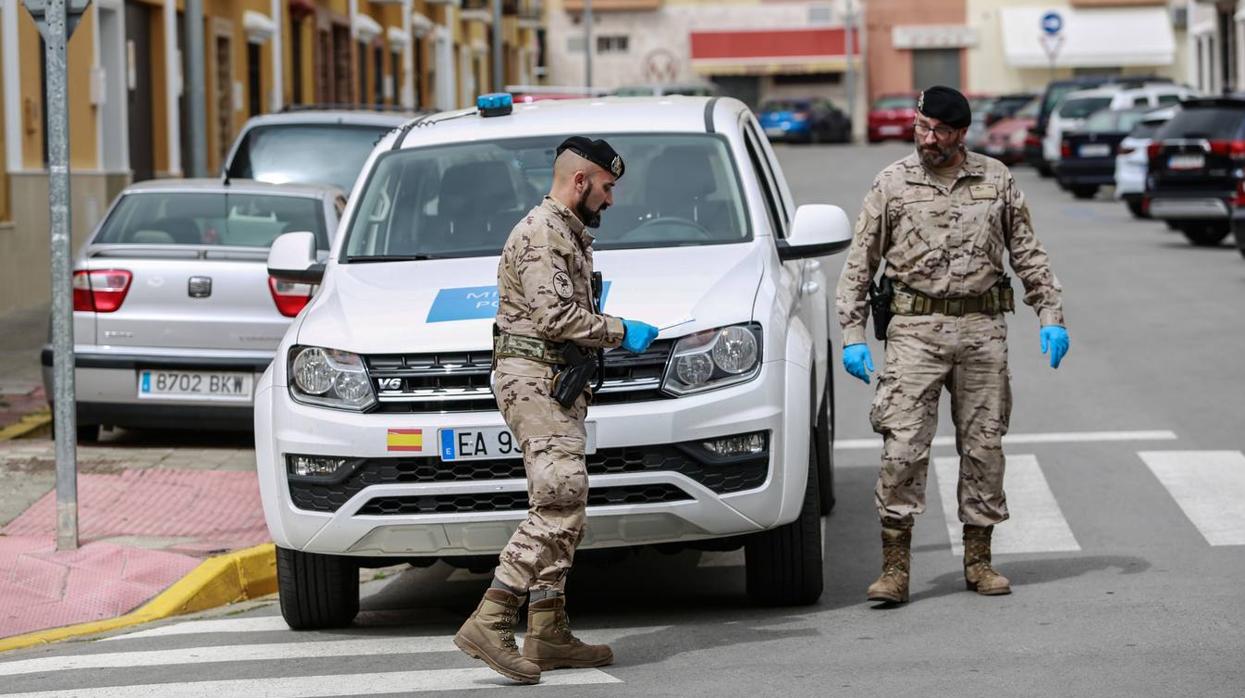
714,359
330,378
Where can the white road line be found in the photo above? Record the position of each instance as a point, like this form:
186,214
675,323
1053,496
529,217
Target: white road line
222,625
1037,524
332,685
1209,486
1014,439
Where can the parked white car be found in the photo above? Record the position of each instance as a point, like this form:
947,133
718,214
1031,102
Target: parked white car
1071,113
378,438
1132,163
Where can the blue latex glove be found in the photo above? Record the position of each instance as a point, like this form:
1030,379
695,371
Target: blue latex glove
1055,338
858,361
637,335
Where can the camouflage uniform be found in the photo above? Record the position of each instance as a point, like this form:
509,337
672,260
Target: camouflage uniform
544,285
944,243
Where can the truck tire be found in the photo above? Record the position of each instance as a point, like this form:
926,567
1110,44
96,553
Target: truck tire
825,444
317,591
1085,191
1205,235
784,565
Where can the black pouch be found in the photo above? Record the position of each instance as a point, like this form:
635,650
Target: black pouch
880,296
569,380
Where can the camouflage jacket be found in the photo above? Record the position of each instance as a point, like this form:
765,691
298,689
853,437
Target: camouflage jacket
945,243
544,286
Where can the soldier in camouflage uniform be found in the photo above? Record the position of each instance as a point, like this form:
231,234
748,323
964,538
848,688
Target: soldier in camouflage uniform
943,219
544,284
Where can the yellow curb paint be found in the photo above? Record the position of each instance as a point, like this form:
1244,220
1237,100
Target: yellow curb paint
237,576
25,425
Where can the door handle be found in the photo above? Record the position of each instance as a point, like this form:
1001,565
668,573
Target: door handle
810,287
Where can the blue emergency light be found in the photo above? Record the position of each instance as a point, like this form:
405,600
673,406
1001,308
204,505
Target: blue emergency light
495,104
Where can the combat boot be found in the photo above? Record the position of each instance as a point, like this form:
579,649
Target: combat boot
550,644
979,576
892,586
488,635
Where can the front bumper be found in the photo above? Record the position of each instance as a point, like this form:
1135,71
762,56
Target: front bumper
106,387
637,495
1189,207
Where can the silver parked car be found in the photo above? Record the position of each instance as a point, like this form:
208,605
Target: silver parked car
175,316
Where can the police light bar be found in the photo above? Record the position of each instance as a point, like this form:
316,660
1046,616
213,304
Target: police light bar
495,104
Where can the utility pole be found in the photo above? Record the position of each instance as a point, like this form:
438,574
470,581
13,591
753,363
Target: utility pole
849,29
56,20
588,45
499,77
196,92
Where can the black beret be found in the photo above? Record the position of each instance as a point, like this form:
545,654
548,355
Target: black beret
597,151
945,104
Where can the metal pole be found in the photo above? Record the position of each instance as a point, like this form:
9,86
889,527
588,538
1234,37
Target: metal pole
277,99
588,43
850,50
196,95
499,78
66,425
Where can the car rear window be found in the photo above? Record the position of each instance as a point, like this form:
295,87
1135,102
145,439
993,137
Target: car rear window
1204,122
1081,107
895,102
211,218
305,153
463,199
1109,121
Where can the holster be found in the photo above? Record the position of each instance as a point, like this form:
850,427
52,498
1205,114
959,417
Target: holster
570,379
880,295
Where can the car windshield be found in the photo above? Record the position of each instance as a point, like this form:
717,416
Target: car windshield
462,199
305,153
785,105
1204,122
1110,121
1081,107
211,218
895,102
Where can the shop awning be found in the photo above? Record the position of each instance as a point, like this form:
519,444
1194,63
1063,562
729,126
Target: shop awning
1091,38
768,51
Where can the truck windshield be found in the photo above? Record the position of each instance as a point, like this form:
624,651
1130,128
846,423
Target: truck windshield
211,218
462,200
305,154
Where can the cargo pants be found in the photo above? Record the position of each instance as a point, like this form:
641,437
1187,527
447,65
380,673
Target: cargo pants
553,440
968,356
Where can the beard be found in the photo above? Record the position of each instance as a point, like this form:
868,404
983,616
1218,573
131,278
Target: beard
937,155
591,218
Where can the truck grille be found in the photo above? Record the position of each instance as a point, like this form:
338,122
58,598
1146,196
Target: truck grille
689,459
459,381
515,501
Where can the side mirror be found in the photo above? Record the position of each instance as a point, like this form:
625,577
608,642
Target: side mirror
292,257
818,230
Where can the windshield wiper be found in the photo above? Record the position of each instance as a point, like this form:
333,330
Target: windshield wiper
355,259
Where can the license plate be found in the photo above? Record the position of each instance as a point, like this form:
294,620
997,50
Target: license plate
775,131
205,385
1095,150
1195,161
479,443
890,130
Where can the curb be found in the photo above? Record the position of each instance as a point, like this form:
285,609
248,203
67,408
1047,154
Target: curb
217,581
25,425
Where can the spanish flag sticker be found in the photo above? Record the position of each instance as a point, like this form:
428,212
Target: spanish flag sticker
405,440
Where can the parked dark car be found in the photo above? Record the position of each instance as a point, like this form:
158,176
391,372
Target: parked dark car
1196,159
1087,156
1006,106
804,121
892,116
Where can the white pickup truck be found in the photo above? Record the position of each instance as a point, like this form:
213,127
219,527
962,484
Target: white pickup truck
377,435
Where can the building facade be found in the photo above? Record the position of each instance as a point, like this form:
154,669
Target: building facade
128,115
1216,62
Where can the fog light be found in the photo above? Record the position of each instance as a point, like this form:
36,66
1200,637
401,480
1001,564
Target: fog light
315,466
742,445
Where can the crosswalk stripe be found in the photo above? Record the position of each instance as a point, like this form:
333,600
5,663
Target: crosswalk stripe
1037,524
253,624
1209,486
332,685
1017,439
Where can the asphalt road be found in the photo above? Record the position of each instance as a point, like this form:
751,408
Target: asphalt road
1126,547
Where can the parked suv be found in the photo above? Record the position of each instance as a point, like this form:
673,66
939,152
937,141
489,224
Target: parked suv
1196,160
377,435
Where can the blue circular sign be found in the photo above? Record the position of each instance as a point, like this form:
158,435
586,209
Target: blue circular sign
1052,22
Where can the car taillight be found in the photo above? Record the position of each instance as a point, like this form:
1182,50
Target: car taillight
100,290
1065,149
290,297
1153,150
1239,198
1232,149
1032,140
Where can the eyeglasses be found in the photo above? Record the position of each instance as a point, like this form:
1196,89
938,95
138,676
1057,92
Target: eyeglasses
942,132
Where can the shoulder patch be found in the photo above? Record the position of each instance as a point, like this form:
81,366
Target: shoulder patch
562,285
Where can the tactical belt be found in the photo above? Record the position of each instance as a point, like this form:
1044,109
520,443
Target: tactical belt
909,302
513,346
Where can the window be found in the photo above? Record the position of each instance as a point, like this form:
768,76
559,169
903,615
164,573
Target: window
1169,99
296,56
254,72
462,199
211,218
612,44
361,57
332,153
378,75
1141,101
757,157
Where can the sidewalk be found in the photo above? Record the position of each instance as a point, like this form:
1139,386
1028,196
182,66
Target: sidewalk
147,514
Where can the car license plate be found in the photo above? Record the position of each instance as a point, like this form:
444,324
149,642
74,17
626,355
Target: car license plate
1095,150
1194,161
478,443
775,131
890,130
995,149
206,385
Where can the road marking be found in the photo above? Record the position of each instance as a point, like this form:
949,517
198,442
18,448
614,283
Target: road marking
333,685
1037,524
1209,486
254,624
1015,439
